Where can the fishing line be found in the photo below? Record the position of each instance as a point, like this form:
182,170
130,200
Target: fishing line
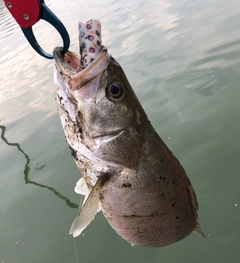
74,239
75,250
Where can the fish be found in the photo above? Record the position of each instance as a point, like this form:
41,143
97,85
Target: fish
128,172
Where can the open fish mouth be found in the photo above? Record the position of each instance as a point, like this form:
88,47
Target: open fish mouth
83,72
69,60
85,81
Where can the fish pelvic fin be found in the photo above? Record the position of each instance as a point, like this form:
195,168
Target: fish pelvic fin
81,187
89,209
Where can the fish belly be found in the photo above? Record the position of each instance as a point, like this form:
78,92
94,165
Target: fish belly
152,206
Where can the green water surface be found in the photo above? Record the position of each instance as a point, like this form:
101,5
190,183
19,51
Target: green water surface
183,60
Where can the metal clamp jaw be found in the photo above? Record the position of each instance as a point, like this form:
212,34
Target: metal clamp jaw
27,13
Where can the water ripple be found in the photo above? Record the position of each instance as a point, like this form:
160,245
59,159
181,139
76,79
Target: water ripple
7,23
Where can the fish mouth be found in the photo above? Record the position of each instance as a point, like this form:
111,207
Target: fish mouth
69,60
85,81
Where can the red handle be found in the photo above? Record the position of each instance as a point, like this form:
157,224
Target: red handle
25,12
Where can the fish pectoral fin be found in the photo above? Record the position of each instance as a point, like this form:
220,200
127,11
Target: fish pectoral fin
89,208
81,187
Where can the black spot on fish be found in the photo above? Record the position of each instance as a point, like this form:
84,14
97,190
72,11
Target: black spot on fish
111,70
83,45
74,153
101,197
162,178
97,32
126,185
92,59
98,42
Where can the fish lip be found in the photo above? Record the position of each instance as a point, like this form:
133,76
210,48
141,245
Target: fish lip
59,57
57,54
61,60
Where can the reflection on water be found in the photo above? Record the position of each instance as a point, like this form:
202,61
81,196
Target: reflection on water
7,23
203,81
27,170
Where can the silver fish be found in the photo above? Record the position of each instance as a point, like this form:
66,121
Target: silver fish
128,171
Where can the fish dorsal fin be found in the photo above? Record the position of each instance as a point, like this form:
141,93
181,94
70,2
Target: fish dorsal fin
89,208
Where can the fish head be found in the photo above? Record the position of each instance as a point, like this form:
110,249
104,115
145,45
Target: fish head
100,106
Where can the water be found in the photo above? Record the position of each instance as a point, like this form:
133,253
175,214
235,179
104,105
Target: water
183,60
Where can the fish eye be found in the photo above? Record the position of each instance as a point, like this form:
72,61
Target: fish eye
115,90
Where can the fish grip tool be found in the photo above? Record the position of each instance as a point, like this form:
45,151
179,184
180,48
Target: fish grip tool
29,12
